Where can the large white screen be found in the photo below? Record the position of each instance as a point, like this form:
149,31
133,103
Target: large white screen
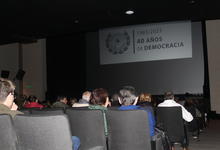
146,42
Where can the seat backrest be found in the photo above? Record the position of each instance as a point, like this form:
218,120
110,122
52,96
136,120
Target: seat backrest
128,130
25,111
88,125
47,132
48,111
170,119
79,108
28,110
8,138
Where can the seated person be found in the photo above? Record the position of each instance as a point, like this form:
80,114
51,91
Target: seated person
7,105
170,102
128,101
145,101
61,102
100,101
114,100
187,116
32,102
193,126
84,101
72,101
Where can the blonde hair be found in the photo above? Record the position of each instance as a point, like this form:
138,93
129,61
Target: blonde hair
145,97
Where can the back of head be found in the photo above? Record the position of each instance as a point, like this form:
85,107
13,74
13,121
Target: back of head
145,97
6,87
168,95
114,100
99,96
86,95
127,96
129,88
62,99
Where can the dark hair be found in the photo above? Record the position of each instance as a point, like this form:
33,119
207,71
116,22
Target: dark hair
59,98
168,95
99,96
127,96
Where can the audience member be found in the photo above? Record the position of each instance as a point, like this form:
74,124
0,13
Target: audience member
72,101
7,105
84,101
100,101
180,100
61,102
128,101
193,126
169,102
114,100
145,101
32,102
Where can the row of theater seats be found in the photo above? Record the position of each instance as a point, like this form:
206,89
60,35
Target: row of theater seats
51,129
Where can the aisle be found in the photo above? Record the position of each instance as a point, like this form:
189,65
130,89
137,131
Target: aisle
209,138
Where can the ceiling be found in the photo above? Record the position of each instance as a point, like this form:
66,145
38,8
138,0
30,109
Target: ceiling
25,20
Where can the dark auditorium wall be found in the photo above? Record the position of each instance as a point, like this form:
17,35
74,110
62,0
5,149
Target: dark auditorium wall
65,65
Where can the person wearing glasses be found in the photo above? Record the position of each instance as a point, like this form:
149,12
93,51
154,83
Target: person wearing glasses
7,105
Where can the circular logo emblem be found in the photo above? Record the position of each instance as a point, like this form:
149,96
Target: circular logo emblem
117,43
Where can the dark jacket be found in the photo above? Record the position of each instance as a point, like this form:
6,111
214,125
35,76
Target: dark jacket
5,110
60,105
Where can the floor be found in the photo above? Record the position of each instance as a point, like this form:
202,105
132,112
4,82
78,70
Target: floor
209,139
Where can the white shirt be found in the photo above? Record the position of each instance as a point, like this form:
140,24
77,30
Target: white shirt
187,116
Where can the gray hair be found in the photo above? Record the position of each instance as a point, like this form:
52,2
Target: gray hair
127,96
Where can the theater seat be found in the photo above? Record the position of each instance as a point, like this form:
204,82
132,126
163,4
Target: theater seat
8,138
171,121
47,132
48,111
88,125
128,130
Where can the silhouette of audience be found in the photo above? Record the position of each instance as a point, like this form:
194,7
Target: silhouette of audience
32,102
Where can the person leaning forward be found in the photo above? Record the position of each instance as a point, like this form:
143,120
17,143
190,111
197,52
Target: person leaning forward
7,105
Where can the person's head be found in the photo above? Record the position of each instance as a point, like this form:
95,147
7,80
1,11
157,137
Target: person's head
6,92
72,100
114,100
100,97
86,95
127,97
189,102
145,97
168,95
129,88
32,98
62,99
